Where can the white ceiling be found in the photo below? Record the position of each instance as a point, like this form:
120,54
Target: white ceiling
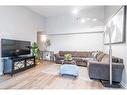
49,11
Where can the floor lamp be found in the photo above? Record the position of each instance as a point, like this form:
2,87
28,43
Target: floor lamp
110,83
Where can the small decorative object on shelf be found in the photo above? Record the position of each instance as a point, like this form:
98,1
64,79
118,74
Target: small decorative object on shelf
48,55
68,57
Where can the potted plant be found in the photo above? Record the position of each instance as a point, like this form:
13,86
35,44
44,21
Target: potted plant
68,57
36,52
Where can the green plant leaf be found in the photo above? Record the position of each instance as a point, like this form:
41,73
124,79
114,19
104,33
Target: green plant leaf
36,50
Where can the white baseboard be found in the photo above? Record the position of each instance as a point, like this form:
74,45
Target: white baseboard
124,85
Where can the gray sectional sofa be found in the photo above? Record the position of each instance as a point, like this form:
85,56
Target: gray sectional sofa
78,56
98,67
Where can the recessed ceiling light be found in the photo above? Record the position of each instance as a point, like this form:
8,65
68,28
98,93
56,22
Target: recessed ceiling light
82,20
75,11
94,19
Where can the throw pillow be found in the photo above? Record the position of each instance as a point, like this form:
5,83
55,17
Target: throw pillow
94,55
100,56
105,59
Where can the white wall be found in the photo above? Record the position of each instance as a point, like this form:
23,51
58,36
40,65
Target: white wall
69,24
77,42
19,23
119,50
61,25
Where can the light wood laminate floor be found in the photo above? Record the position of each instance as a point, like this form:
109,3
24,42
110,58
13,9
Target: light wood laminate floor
45,76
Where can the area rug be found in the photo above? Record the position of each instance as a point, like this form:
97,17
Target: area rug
53,69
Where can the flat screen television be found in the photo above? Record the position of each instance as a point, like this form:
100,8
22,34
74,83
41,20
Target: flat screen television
14,48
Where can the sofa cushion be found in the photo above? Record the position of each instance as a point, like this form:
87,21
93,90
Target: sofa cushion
99,52
83,54
94,54
105,59
117,60
56,55
77,58
60,58
62,53
75,53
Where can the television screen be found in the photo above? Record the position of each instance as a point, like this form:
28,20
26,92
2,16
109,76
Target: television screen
12,48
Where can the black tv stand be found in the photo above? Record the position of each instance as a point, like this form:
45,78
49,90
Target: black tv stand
17,64
15,57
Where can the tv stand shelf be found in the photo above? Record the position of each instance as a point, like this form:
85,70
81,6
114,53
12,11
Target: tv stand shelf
18,64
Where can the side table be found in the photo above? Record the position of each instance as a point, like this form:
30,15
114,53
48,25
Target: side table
48,55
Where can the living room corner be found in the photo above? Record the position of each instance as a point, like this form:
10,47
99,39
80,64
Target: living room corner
118,50
73,52
58,37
